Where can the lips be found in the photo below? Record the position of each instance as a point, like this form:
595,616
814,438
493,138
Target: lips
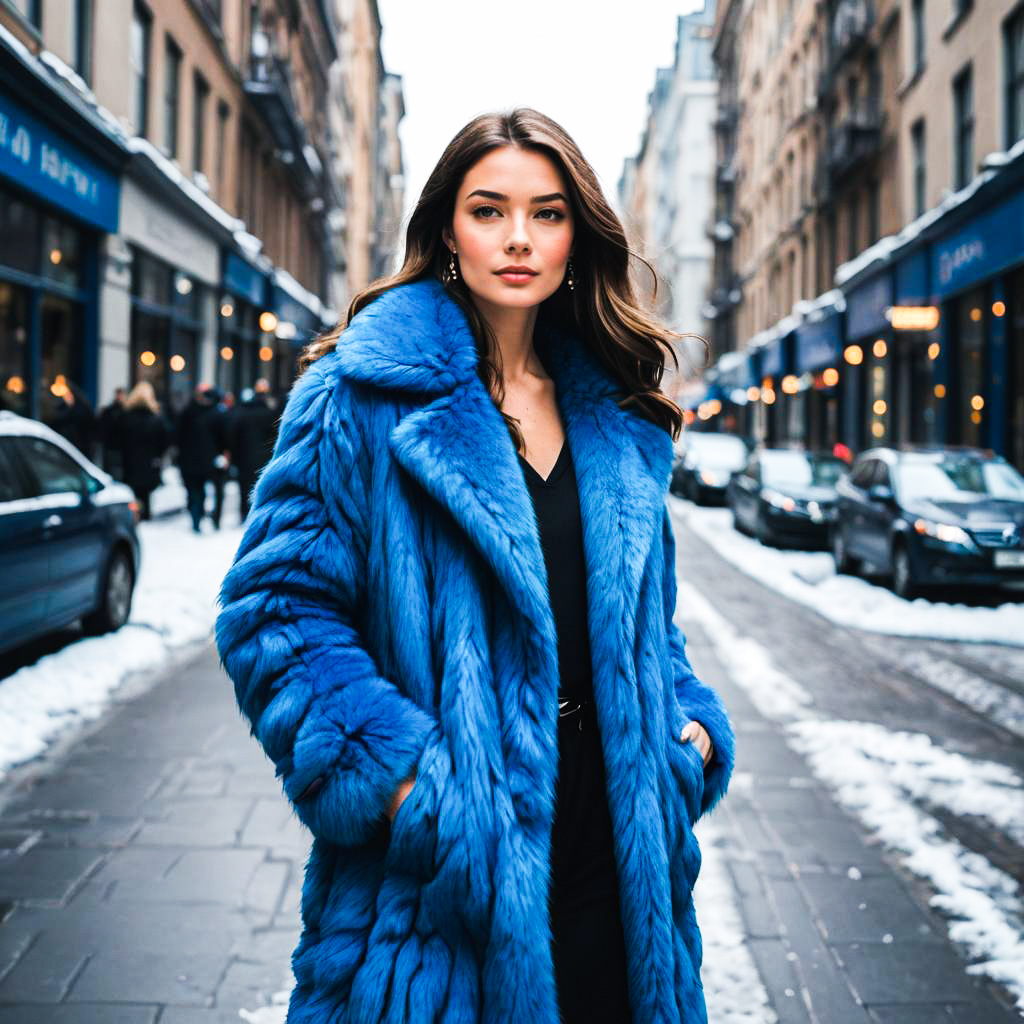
516,272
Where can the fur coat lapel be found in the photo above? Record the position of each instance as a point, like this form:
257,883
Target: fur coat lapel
458,448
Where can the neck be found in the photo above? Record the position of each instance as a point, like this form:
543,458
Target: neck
513,334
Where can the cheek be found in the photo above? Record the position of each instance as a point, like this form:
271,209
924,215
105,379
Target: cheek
556,245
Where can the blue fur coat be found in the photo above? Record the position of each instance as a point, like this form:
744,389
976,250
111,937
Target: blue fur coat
387,613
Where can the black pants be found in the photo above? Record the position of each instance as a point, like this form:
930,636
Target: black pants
195,486
588,946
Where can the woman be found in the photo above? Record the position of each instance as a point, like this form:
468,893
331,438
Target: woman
144,436
439,654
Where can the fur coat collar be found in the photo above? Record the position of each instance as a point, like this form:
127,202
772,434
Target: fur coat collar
387,615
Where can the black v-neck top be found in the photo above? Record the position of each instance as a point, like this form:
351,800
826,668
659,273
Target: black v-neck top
556,504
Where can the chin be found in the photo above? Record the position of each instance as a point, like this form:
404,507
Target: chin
523,297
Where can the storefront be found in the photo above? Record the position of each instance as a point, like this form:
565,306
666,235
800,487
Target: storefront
57,201
244,351
818,358
867,354
783,417
300,317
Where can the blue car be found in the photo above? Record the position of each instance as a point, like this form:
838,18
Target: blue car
68,546
932,517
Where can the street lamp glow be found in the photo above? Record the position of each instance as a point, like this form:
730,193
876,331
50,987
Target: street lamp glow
790,385
753,393
177,363
879,407
880,348
933,351
147,358
227,353
853,354
268,322
226,310
940,390
830,378
977,402
998,308
266,353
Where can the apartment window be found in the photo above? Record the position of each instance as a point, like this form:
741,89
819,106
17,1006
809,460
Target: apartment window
918,28
223,113
172,90
81,37
963,128
140,68
874,212
30,10
1013,49
919,167
200,96
853,226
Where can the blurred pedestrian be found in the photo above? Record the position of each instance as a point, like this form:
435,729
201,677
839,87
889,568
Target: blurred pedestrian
144,438
111,434
450,621
72,416
252,428
203,453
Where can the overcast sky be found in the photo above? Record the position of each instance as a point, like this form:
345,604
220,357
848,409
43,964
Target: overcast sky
588,70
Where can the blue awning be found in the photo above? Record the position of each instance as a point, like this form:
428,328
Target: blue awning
243,280
819,343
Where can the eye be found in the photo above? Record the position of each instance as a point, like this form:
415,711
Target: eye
556,215
479,212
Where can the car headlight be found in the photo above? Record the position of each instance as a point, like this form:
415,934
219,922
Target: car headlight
777,500
945,532
708,478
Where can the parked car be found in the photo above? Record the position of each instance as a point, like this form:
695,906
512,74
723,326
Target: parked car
786,496
706,462
68,546
932,516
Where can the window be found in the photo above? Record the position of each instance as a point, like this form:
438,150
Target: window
200,95
172,85
963,128
918,28
1013,51
31,10
874,212
919,168
140,68
223,113
81,37
853,226
54,469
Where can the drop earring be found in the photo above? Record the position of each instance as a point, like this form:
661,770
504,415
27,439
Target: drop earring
569,279
451,272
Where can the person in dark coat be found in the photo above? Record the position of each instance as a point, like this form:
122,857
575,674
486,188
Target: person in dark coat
144,437
73,417
111,434
203,453
252,428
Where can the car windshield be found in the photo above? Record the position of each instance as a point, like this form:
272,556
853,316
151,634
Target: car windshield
800,469
722,450
951,477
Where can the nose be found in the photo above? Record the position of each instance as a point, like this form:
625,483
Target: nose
518,238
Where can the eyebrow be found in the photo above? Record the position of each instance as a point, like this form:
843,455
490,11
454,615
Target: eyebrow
504,199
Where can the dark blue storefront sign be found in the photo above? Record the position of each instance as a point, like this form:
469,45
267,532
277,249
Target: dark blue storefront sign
244,280
912,285
818,344
55,169
773,357
989,244
866,307
290,310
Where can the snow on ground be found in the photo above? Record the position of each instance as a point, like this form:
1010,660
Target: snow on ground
174,606
890,780
732,987
810,578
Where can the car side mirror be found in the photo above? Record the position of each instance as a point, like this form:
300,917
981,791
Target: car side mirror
882,493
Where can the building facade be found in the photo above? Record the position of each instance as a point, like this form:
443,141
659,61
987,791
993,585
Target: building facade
865,281
182,222
665,190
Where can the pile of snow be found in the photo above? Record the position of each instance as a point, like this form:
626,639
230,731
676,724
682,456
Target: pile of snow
174,606
891,780
810,578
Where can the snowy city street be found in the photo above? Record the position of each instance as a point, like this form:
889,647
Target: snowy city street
866,865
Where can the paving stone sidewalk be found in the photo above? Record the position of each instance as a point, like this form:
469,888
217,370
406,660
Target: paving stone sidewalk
840,933
153,875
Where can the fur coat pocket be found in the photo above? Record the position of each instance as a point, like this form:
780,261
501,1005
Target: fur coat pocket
687,768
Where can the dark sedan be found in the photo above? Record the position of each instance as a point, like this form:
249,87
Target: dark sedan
931,517
786,496
68,547
705,465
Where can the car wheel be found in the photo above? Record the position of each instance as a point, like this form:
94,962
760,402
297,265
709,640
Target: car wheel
841,555
116,599
902,574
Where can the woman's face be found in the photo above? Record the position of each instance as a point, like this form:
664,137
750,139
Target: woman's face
512,211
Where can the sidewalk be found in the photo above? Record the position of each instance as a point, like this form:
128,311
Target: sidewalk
154,879
156,874
839,932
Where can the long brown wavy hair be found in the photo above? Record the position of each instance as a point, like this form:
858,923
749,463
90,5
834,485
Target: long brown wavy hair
602,309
